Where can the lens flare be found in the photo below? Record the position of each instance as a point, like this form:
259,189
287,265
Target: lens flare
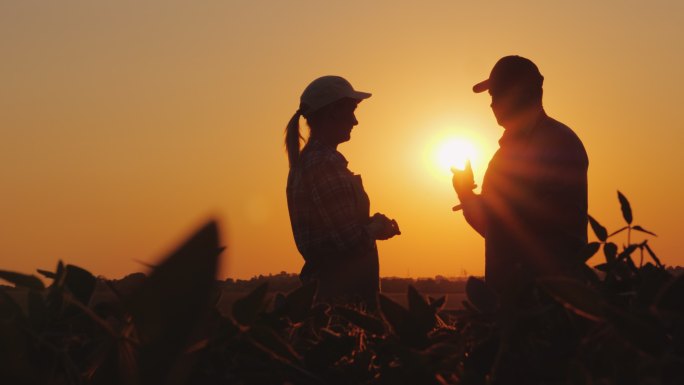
454,153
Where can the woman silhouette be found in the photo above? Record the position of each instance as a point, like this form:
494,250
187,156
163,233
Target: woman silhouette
329,209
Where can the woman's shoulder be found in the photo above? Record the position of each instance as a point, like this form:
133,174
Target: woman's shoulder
315,155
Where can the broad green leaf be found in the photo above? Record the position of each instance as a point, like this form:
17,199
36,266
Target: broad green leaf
481,295
599,230
626,208
366,322
643,230
299,301
247,308
575,296
22,280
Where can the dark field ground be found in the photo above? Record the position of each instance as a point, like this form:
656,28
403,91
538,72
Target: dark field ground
453,302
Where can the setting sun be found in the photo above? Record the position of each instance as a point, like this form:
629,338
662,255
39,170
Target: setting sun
454,152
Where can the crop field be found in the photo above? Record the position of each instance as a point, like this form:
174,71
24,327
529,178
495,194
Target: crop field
622,326
454,301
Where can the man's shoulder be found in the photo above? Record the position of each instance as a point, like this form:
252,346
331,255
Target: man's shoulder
560,139
557,132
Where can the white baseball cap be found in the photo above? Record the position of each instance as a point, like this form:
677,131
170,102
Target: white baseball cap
326,90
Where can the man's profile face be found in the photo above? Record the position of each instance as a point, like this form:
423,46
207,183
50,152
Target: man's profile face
503,106
507,104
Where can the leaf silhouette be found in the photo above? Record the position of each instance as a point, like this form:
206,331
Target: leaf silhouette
421,310
270,342
395,314
437,303
247,308
330,349
47,274
22,280
602,267
299,301
172,303
625,207
589,250
80,282
366,322
610,251
574,296
481,295
653,255
618,231
643,230
402,322
599,230
626,255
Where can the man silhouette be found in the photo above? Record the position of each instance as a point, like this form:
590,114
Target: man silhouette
532,210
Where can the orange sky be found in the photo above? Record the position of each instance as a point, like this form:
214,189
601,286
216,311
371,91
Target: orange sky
125,124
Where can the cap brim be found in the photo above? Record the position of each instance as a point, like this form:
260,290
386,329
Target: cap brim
481,86
358,95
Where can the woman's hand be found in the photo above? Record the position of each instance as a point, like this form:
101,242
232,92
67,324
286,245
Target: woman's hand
381,227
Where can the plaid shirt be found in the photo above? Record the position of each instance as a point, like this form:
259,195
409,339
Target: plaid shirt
328,210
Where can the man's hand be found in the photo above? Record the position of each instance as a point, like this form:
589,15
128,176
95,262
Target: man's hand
381,227
463,180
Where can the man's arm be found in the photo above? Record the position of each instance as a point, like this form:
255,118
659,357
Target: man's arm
473,212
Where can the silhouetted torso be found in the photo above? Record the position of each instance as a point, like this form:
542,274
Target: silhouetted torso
535,200
328,209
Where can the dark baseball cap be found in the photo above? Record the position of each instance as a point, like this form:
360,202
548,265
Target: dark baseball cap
511,71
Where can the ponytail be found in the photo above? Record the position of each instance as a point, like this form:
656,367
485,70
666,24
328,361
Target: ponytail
292,138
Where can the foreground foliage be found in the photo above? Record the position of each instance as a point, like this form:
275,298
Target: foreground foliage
624,325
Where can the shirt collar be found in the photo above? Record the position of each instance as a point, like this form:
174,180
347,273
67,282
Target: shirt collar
523,132
317,145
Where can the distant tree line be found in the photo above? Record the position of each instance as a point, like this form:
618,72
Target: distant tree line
285,282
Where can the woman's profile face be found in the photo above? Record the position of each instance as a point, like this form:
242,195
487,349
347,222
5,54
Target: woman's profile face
343,120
